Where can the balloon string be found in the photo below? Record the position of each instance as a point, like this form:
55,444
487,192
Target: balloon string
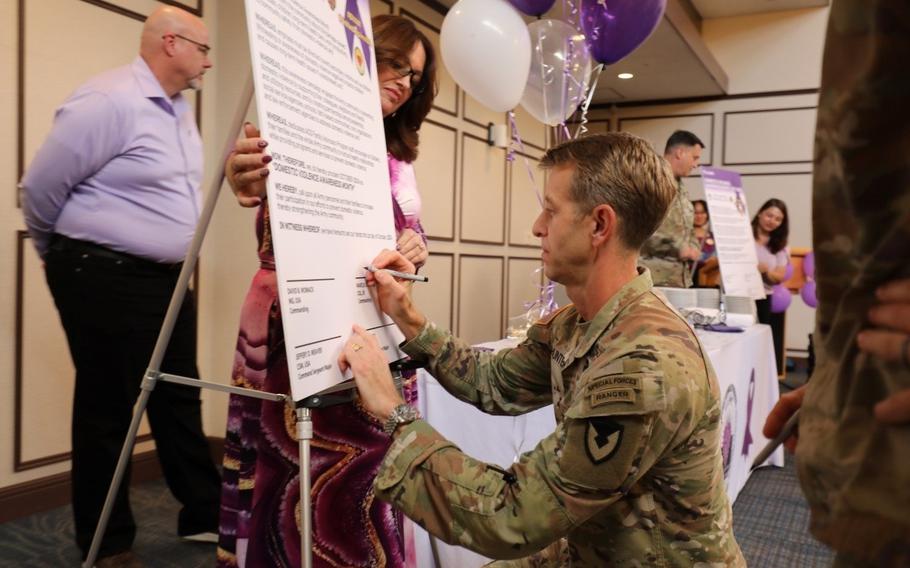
568,50
516,140
595,74
546,299
544,75
570,14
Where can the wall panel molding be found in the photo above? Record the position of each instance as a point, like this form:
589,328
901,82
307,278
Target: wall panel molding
704,99
422,295
523,199
659,147
496,157
483,295
528,284
432,228
388,4
50,492
452,109
776,135
55,355
21,97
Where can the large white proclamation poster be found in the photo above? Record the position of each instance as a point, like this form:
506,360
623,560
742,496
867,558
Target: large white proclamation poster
328,193
731,225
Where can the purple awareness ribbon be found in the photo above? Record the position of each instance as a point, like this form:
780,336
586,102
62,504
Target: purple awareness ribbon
352,9
747,440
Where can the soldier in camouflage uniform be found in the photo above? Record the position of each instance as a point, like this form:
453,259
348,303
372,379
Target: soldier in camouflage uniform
672,249
854,469
632,475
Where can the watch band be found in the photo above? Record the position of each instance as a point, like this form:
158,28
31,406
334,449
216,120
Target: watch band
401,414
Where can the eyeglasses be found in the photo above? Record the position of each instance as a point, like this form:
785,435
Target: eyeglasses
404,70
202,47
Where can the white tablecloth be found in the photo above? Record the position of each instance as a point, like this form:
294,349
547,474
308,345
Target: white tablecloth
747,375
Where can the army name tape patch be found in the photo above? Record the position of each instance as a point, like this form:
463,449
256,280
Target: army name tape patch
603,438
608,395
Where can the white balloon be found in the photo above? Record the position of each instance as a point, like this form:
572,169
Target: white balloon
486,48
560,68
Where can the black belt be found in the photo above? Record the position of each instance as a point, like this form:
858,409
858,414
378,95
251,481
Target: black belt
64,244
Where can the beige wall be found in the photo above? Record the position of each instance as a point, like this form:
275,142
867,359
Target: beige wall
777,51
483,256
477,207
766,139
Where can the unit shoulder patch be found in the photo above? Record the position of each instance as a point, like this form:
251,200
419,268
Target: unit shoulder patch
603,438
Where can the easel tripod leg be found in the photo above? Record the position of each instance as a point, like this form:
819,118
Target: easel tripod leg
304,436
148,385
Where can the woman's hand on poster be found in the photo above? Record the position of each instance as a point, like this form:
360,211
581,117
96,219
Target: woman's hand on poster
393,295
412,247
246,168
363,355
890,340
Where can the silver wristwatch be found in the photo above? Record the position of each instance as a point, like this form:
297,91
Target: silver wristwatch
402,414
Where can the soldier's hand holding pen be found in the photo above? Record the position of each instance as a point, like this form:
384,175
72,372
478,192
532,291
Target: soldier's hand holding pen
393,295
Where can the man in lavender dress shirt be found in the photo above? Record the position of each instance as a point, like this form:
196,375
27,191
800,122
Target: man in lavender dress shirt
111,203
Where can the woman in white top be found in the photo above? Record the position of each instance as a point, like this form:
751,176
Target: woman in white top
771,227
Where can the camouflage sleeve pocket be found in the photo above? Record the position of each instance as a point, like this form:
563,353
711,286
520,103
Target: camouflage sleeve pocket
466,483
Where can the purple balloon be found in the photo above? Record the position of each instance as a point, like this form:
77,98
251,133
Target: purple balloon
808,294
780,299
532,7
614,28
788,272
809,265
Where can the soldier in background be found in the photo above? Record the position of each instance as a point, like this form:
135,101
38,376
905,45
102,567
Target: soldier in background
632,474
669,252
854,428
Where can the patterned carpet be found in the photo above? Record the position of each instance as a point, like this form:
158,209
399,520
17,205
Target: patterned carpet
770,519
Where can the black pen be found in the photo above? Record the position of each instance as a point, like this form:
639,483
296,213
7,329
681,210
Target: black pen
396,274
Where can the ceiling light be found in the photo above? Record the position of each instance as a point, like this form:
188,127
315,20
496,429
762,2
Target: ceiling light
625,75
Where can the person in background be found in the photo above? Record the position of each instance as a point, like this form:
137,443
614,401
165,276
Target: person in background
854,426
111,203
771,229
260,496
632,474
672,249
706,272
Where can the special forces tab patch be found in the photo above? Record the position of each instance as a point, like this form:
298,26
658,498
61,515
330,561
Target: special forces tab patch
603,438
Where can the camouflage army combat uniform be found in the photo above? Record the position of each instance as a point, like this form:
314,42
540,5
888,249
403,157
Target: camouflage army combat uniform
855,471
632,476
660,253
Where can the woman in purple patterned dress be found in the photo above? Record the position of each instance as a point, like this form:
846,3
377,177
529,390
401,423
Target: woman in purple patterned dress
260,492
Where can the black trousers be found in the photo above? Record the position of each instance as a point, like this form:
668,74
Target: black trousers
112,307
776,321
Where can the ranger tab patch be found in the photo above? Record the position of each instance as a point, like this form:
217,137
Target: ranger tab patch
604,436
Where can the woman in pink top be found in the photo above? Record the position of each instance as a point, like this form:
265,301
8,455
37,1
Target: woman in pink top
260,491
771,227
